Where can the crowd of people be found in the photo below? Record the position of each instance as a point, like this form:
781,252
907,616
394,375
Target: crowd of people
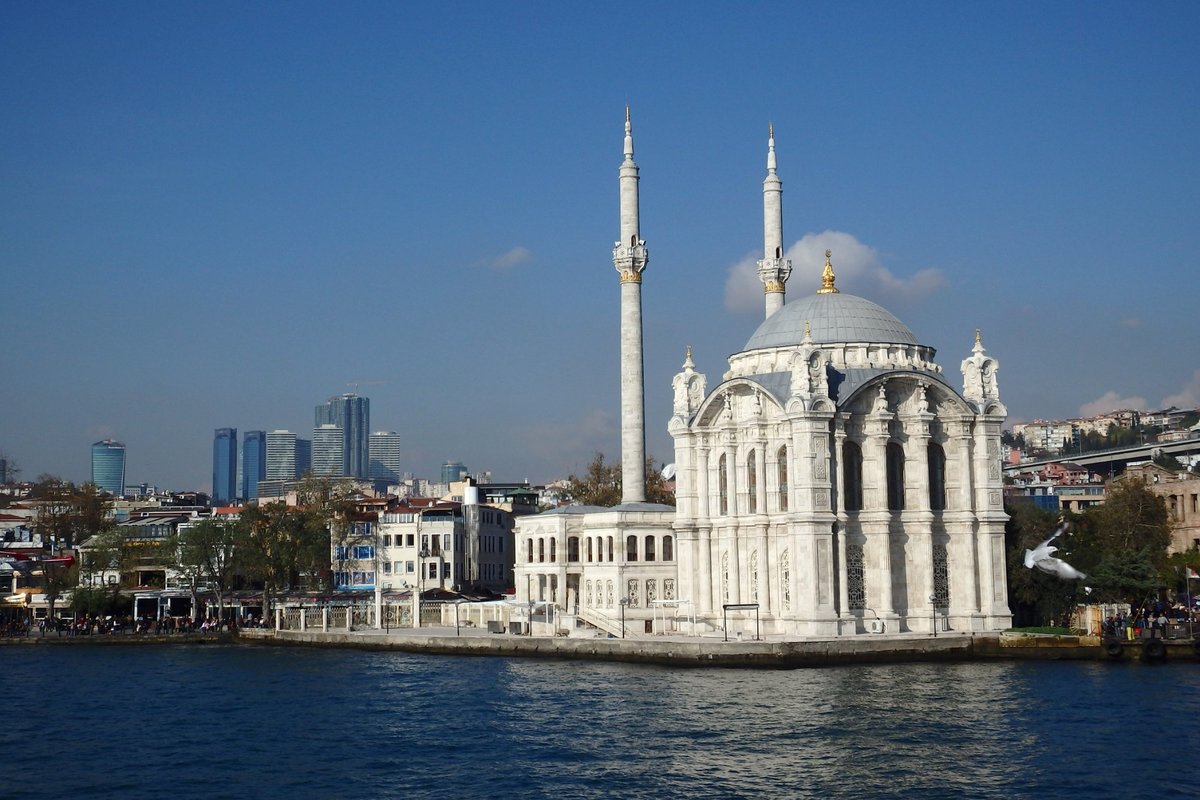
1150,621
96,625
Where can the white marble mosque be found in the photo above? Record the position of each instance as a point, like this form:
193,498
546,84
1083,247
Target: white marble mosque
833,483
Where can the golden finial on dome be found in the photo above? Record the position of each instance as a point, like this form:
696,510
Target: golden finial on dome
807,330
978,336
827,277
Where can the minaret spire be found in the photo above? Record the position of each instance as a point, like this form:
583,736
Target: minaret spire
773,269
630,258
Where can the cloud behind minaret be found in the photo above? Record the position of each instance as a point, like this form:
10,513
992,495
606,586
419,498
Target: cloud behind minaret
506,261
858,268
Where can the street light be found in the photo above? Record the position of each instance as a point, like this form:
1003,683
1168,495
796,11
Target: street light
624,603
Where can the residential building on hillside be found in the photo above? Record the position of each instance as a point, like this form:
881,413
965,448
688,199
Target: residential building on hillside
1181,493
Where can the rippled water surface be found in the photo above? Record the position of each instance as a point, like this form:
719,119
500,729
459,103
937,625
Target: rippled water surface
248,722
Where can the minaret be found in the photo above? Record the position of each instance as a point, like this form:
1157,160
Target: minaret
773,269
630,257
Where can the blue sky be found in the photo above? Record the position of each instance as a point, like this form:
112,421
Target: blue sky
220,214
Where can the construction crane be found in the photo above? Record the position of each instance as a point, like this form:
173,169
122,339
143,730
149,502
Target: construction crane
356,384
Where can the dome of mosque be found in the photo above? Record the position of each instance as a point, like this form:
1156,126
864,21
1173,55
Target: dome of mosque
832,318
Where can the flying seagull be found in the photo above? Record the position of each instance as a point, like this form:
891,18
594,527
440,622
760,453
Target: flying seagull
1043,558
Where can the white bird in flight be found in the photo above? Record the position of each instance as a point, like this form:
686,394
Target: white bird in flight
1044,559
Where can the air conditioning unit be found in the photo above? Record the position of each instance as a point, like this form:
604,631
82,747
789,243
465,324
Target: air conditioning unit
875,625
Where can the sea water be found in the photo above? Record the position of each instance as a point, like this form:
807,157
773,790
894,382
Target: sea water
195,721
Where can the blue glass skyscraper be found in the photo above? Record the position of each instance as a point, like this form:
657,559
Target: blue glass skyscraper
108,466
254,462
224,488
352,414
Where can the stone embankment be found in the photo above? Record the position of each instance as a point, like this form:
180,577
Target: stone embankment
707,652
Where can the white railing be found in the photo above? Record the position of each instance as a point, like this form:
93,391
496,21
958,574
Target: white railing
602,621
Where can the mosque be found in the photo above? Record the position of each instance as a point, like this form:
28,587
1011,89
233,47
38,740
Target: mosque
834,483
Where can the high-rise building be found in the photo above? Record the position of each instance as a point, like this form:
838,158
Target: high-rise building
453,471
303,456
254,462
327,450
281,456
108,466
352,414
385,457
224,485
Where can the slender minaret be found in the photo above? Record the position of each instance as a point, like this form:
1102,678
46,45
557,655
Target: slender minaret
630,257
773,269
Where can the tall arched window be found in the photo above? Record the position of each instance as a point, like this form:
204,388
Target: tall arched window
589,548
752,482
722,487
895,476
668,549
852,487
631,548
541,549
554,549
937,477
529,552
610,548
783,478
649,548
572,548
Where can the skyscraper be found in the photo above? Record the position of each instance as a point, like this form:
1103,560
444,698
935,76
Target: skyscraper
281,456
327,450
453,471
224,485
254,462
303,456
352,414
385,456
108,466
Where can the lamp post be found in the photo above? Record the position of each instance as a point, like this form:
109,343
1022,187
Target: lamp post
624,603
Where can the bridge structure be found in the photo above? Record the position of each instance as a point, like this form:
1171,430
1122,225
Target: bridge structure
1115,460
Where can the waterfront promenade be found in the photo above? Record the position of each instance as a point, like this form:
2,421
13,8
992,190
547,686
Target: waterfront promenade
682,651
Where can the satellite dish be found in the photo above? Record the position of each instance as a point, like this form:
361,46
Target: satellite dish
668,472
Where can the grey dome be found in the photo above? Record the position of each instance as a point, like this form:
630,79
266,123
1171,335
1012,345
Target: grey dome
835,318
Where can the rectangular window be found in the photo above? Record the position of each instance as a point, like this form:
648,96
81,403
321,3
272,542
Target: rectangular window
446,569
387,568
364,552
339,553
410,539
410,567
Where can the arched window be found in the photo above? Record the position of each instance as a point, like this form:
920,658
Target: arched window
529,552
649,548
937,477
554,549
783,478
668,549
589,548
631,548
752,481
572,548
852,488
610,548
722,487
895,477
541,549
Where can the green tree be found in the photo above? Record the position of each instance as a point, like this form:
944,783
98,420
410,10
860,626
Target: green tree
1123,543
601,485
1035,597
211,551
287,547
69,514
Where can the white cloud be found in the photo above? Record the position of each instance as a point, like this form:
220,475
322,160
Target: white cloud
1111,401
506,261
856,265
1188,397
